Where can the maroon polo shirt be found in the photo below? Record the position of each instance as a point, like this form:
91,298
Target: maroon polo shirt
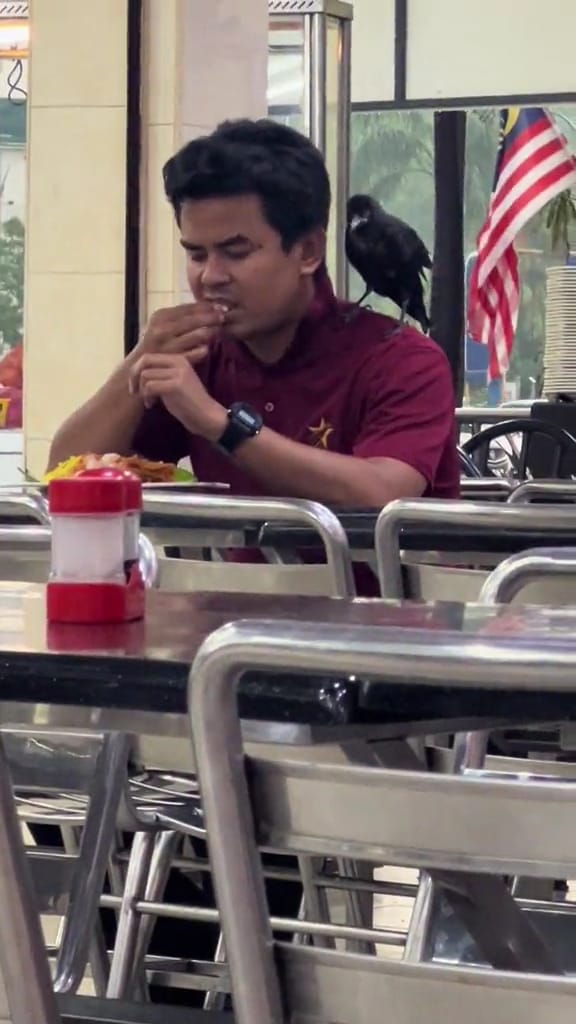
351,382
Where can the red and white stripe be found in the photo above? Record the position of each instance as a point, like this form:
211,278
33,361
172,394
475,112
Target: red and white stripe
534,168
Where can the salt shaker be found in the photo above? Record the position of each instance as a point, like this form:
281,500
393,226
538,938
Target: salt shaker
88,580
133,487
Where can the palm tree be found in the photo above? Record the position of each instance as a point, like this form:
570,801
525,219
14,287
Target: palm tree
561,221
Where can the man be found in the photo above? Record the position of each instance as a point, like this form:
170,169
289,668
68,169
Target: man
266,380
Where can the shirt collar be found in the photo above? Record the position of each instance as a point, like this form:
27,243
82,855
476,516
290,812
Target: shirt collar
323,310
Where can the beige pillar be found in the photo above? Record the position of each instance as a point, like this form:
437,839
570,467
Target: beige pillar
203,62
74,294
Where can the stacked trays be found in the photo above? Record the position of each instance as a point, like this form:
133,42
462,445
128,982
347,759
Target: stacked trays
560,347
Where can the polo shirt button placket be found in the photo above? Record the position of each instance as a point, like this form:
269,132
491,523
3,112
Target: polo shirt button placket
269,407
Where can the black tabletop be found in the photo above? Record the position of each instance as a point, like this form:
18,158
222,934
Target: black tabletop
359,527
145,665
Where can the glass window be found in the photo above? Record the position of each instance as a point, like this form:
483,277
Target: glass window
13,104
392,158
287,85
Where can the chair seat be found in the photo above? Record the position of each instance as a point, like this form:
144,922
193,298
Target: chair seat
90,1010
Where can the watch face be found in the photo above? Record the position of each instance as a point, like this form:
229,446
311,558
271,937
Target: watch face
246,417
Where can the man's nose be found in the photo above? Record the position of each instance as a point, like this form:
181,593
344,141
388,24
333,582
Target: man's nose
214,272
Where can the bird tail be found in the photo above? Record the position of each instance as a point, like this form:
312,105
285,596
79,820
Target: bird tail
423,319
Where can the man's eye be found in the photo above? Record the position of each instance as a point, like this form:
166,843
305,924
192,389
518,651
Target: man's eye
196,257
238,254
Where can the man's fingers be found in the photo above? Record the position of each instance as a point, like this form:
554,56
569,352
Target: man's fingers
169,359
198,338
153,388
196,355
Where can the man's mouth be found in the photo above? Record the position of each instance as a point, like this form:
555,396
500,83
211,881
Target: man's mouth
222,304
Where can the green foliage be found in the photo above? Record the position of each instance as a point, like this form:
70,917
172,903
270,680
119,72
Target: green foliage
392,159
560,219
11,280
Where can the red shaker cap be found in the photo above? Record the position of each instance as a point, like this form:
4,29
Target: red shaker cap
92,492
133,491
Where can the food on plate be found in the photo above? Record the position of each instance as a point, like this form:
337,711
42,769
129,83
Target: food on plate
149,472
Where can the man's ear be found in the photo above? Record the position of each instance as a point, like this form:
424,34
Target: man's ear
312,251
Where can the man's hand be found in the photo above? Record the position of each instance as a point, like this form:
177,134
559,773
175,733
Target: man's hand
173,380
185,328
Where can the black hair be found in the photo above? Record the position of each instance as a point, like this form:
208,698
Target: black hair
263,158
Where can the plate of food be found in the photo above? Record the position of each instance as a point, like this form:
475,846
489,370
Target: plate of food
154,475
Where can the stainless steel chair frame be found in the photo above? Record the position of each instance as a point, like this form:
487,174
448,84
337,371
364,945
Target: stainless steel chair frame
368,653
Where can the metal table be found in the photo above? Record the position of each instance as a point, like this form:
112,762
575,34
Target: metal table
134,677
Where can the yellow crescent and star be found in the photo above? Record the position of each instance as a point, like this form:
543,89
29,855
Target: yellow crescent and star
512,115
321,433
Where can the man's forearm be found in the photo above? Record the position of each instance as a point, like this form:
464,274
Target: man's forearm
288,468
107,422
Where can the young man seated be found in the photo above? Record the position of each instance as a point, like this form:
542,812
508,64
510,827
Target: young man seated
266,380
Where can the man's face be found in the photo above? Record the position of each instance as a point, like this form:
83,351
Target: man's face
236,259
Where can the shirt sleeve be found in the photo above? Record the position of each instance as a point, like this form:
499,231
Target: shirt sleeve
407,407
160,436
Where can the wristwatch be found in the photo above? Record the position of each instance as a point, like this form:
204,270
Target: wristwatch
243,423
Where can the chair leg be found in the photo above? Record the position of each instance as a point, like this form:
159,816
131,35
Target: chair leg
98,950
97,839
315,901
122,966
359,905
419,927
160,864
216,1000
23,960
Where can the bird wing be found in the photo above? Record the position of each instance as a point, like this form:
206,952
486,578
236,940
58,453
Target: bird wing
411,248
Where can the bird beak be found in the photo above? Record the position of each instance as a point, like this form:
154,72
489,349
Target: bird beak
357,220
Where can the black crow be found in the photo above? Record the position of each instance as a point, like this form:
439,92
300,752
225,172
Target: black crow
388,255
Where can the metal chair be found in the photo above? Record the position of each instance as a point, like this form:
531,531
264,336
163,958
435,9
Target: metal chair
550,491
478,447
468,468
172,521
188,522
486,488
76,784
439,934
464,829
465,540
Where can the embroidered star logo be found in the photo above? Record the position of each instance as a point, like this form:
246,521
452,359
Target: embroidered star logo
321,433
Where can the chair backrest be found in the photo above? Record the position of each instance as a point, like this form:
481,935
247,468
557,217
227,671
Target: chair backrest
549,491
220,523
486,488
562,445
468,468
449,823
468,530
512,578
25,554
78,782
20,505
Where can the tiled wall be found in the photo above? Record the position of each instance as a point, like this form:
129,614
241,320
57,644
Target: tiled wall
74,294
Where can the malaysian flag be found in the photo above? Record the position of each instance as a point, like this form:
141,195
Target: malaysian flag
534,164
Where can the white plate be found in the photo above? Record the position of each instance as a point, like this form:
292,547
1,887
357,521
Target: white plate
178,485
186,485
